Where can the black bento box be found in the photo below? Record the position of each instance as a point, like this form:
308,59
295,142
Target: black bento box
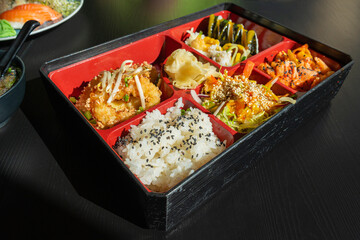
164,210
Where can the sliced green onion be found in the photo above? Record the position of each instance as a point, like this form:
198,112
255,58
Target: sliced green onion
126,98
126,80
88,115
140,109
73,99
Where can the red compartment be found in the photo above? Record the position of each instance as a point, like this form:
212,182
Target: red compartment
219,128
266,37
154,49
269,55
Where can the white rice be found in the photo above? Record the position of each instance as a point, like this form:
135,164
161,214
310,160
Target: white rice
164,149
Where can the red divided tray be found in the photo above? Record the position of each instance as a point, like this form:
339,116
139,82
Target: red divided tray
68,75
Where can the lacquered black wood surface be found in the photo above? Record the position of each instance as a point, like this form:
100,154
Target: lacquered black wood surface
307,187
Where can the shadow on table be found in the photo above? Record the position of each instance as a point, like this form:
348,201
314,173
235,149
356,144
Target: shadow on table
92,171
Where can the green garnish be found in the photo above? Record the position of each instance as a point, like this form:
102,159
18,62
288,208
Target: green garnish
183,111
72,99
209,105
9,70
126,79
126,98
6,30
88,115
140,109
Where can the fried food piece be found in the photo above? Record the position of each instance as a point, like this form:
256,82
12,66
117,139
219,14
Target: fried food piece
112,100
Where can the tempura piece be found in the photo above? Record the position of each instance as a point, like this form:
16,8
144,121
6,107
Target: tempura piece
117,95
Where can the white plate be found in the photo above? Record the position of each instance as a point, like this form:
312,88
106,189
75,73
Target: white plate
51,25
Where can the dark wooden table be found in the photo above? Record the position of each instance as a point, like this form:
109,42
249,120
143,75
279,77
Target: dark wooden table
307,187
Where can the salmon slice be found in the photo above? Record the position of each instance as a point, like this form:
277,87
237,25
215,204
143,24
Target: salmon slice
31,11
